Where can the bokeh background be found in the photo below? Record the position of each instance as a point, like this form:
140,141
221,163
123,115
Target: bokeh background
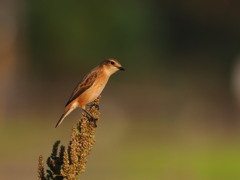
173,115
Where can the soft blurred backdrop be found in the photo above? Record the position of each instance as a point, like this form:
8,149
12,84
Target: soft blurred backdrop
173,115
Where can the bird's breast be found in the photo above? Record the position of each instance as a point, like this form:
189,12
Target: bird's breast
94,91
98,86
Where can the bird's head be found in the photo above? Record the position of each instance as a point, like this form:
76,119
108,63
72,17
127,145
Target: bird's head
112,65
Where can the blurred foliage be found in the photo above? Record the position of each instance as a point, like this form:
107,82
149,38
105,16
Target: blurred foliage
74,33
78,31
172,115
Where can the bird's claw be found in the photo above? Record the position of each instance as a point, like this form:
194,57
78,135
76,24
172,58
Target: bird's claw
94,120
96,106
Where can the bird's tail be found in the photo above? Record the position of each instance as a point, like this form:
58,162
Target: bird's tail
67,112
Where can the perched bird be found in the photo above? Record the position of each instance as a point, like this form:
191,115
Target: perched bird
90,87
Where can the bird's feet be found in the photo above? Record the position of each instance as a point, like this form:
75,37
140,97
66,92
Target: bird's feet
93,105
94,120
91,118
96,106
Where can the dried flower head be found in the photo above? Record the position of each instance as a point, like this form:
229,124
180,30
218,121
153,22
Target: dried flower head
69,163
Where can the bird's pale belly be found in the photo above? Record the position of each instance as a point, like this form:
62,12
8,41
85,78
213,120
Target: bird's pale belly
90,94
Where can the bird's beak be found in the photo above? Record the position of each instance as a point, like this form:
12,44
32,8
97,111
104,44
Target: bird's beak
121,68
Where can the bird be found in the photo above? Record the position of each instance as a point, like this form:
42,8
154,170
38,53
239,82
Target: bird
90,87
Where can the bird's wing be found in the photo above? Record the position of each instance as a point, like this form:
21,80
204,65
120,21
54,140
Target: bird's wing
84,84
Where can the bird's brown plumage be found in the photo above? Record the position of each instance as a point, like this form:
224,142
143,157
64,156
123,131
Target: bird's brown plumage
91,86
84,84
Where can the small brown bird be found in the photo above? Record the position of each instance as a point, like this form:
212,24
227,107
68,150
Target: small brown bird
90,87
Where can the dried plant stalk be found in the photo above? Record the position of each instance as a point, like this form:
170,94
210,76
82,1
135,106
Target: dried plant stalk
68,163
41,173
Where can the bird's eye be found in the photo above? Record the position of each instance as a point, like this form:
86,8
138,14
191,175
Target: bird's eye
112,62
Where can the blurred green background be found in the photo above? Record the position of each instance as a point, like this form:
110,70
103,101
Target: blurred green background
173,115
